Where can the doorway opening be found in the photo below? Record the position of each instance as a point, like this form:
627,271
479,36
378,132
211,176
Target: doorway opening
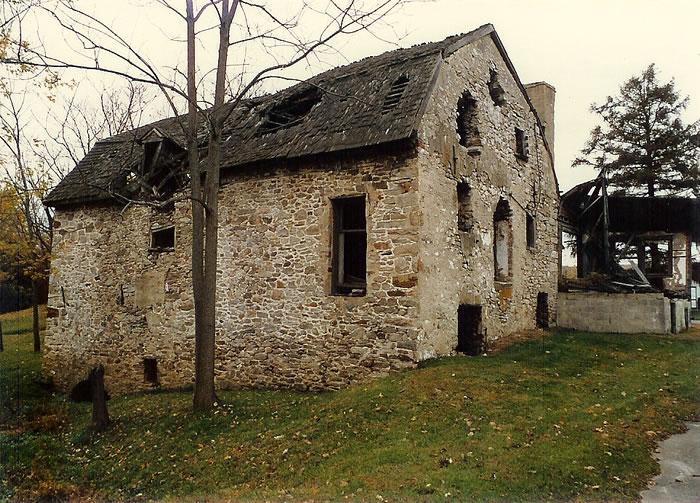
150,370
542,312
470,336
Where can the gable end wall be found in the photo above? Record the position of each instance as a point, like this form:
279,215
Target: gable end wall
458,267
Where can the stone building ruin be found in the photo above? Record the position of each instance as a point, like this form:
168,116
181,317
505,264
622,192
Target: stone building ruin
396,209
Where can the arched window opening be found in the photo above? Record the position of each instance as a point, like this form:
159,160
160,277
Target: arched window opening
495,89
502,241
467,128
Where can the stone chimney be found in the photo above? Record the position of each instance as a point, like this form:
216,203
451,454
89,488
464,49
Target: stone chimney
542,97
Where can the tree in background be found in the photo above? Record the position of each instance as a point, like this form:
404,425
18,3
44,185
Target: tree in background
25,237
643,144
24,245
31,163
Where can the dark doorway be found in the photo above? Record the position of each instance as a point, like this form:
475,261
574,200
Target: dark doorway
674,322
542,312
150,370
470,336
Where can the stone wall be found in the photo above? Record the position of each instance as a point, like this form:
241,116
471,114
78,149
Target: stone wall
615,312
457,267
277,324
680,315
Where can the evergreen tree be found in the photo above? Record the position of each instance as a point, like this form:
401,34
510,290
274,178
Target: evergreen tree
642,142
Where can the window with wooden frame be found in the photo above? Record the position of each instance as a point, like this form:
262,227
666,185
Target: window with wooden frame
502,242
349,260
163,238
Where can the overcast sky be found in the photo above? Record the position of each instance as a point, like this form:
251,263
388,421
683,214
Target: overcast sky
586,49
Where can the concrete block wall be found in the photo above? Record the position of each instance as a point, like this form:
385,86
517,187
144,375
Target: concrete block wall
616,312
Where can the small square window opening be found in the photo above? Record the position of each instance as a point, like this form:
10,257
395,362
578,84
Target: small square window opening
163,239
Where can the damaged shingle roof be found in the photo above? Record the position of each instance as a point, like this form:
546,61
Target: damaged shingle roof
350,113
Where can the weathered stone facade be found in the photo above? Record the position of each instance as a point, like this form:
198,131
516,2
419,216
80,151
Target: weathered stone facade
458,267
278,323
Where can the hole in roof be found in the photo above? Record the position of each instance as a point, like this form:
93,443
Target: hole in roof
290,111
395,92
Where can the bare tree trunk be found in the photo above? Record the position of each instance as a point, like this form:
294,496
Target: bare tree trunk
100,416
203,379
35,317
2,345
205,339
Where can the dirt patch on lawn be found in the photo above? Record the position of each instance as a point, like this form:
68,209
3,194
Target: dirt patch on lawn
518,337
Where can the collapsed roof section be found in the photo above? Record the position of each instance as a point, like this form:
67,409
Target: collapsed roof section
583,204
628,246
374,101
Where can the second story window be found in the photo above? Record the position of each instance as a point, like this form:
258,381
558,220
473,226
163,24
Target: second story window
521,146
465,218
349,247
531,230
467,121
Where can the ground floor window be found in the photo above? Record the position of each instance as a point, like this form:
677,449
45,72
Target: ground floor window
349,246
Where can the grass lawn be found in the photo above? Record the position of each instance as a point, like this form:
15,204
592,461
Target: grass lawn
21,321
570,417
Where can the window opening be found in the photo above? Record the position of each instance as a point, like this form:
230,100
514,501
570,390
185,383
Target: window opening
395,93
495,90
531,230
521,144
654,257
657,257
349,246
465,220
150,154
467,129
502,242
163,238
290,111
